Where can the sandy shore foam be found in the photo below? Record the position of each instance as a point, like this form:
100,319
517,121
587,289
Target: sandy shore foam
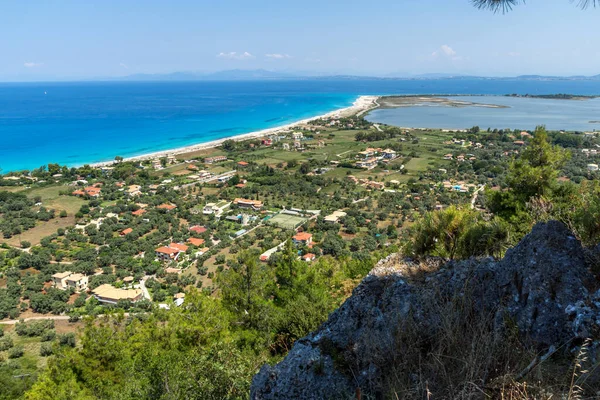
359,107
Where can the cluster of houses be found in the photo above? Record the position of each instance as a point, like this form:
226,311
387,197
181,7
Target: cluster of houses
216,159
92,191
104,293
461,157
461,186
369,158
367,183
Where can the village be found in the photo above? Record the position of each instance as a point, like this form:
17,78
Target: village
327,188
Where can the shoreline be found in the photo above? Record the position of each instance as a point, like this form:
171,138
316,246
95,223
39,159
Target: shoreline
361,106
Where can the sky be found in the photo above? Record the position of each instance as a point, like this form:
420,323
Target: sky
72,40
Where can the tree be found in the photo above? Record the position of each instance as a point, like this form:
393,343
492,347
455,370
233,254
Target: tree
535,172
119,159
507,5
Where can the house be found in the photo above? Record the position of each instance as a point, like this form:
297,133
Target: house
139,212
78,282
198,229
91,191
519,142
195,242
134,190
242,164
60,279
165,253
264,257
303,238
267,142
216,159
126,231
592,167
368,163
448,157
166,206
179,298
173,270
192,167
389,154
170,252
215,208
110,295
334,217
375,185
247,203
297,136
309,257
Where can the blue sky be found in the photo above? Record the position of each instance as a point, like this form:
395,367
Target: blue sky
44,40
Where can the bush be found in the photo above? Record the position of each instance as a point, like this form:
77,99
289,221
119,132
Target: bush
16,352
6,343
36,328
46,349
68,339
48,336
25,244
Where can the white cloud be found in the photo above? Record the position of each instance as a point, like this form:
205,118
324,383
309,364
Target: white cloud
514,54
446,51
233,55
278,56
124,65
32,64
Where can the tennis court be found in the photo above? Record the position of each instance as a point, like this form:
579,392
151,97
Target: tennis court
287,221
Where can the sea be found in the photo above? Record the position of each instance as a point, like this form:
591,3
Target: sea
75,123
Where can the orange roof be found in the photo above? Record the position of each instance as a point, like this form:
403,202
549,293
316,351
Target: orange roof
264,257
78,193
196,242
166,206
240,185
242,163
166,250
178,246
255,203
126,231
92,190
303,236
139,212
198,229
308,256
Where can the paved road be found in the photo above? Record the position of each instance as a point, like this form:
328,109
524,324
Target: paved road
145,290
474,199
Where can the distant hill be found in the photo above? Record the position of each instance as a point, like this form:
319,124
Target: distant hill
235,74
262,74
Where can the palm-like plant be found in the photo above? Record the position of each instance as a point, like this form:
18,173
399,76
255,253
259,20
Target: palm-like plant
507,5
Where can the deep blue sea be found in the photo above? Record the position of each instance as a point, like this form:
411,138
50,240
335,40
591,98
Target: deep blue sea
77,123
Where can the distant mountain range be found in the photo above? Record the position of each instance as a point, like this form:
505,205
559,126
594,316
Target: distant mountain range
262,74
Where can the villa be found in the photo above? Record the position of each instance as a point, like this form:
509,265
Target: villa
303,238
108,294
334,217
212,160
247,203
166,206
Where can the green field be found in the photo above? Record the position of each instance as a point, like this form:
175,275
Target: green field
286,221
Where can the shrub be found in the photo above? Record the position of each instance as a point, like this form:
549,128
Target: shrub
16,352
46,349
6,343
25,244
48,335
68,339
36,328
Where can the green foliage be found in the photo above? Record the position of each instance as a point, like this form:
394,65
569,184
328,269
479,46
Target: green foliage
34,328
16,352
459,233
534,173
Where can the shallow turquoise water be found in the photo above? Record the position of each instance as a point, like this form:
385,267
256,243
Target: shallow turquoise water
77,123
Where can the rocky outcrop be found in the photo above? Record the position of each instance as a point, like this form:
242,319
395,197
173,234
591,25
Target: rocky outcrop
543,288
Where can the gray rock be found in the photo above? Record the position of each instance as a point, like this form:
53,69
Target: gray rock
542,286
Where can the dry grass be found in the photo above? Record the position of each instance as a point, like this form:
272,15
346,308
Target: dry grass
464,357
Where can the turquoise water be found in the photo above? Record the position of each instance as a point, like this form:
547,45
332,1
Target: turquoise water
523,113
77,123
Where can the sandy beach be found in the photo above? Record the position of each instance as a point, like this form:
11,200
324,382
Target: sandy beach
360,106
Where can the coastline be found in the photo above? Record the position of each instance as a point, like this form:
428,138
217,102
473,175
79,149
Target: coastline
362,105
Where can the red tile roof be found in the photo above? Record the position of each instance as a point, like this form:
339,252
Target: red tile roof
139,212
303,236
198,229
196,242
126,231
